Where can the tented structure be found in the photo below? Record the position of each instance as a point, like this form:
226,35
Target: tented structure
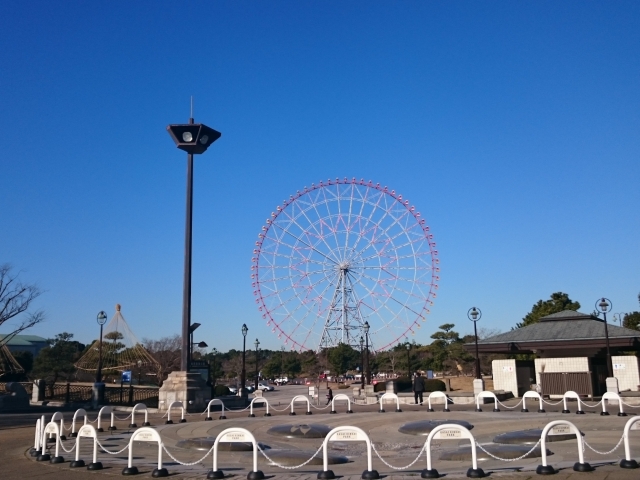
121,349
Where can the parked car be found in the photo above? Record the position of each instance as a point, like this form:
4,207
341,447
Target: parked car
281,381
233,390
264,387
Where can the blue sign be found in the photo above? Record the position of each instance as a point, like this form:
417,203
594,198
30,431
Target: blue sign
126,376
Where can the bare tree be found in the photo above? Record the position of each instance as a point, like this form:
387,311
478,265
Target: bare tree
166,351
15,299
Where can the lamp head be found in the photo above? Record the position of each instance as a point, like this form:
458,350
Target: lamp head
257,343
366,327
603,305
102,318
202,345
361,342
245,329
193,138
193,327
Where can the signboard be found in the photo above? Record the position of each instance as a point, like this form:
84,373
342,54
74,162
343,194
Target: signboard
448,433
145,436
507,368
312,391
126,376
619,366
348,436
560,430
235,437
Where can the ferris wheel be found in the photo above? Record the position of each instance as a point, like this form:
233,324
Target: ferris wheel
341,254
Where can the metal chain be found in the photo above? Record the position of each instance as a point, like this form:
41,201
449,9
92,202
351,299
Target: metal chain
394,467
110,452
68,451
92,421
507,406
284,467
629,405
277,410
186,464
508,459
551,403
591,406
321,408
604,453
124,418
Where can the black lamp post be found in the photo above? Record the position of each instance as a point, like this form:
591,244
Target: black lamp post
192,328
243,377
362,362
474,314
366,349
603,306
102,319
408,347
193,138
139,370
257,344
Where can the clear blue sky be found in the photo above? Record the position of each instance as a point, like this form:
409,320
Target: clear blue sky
514,127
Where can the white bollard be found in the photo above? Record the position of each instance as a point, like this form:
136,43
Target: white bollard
531,394
87,431
341,396
612,396
145,434
80,412
175,405
52,428
451,431
487,394
561,427
139,407
571,394
213,402
103,411
346,434
259,399
300,398
628,462
392,396
435,395
233,435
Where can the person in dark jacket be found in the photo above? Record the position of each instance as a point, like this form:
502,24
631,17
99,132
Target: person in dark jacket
418,387
329,396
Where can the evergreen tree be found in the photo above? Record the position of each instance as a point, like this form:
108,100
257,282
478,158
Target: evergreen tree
559,301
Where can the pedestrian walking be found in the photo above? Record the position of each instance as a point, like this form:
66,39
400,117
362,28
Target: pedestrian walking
418,387
329,396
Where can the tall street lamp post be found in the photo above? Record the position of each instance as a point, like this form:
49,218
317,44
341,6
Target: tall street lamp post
408,347
603,306
102,319
193,138
366,349
192,328
362,362
257,344
243,378
474,314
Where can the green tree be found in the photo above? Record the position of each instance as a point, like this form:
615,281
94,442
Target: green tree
557,303
632,319
56,361
15,299
447,350
342,358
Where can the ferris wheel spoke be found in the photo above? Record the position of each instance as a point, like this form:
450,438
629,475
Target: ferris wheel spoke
369,220
304,243
311,224
300,305
331,227
378,235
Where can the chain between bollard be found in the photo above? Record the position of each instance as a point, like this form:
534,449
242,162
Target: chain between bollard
394,467
507,406
284,467
604,453
628,405
68,451
591,406
122,419
508,459
186,464
110,452
552,403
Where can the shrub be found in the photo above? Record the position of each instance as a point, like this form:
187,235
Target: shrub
221,390
341,386
434,385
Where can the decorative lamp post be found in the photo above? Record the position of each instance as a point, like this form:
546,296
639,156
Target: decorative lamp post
193,138
362,362
102,319
408,347
243,378
192,328
257,344
366,349
603,306
139,370
474,314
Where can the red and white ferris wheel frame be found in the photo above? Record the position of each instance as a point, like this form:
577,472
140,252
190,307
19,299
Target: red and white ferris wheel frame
261,297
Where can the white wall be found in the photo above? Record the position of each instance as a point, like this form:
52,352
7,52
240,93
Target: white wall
625,369
504,376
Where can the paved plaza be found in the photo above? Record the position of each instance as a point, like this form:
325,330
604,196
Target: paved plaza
601,433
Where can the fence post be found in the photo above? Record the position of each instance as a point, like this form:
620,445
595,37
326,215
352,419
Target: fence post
67,395
131,393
